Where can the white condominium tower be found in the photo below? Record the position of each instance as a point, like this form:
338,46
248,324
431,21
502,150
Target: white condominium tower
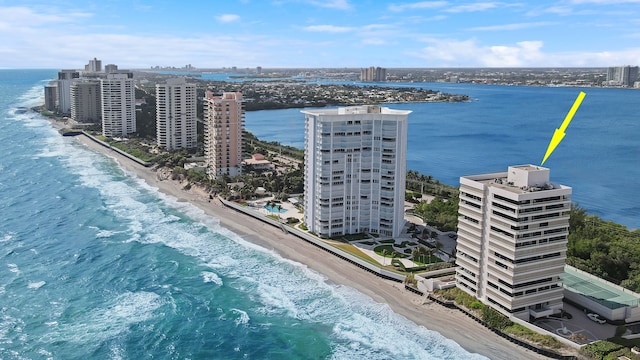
355,170
118,105
224,120
176,123
512,240
65,79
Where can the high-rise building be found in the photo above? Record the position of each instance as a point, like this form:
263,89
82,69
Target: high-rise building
623,75
355,170
512,240
176,122
118,104
86,104
110,68
51,96
373,74
94,65
65,78
224,121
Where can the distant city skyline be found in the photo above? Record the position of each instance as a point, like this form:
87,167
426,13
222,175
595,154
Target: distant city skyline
315,33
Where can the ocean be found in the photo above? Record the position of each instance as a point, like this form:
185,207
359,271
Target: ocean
95,264
511,125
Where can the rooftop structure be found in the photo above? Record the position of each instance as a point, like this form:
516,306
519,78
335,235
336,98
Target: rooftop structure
257,162
355,165
512,240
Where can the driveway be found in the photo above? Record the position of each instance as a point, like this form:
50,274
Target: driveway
583,329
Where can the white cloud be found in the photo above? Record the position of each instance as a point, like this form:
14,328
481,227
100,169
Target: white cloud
468,53
515,26
328,28
332,4
479,6
561,10
227,18
605,2
23,16
418,5
373,41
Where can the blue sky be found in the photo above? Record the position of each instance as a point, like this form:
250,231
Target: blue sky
320,33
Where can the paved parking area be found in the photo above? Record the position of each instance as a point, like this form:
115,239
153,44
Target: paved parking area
579,328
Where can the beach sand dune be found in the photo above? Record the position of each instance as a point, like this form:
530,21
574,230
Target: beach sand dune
452,324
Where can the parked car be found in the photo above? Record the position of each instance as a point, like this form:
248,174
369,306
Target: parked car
596,318
453,236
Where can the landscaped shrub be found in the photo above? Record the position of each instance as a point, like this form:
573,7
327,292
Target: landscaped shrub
599,349
494,319
523,332
439,265
476,305
615,355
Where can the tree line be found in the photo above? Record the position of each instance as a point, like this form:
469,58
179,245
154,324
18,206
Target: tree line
604,248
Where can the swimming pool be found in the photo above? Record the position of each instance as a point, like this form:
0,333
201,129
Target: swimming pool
274,209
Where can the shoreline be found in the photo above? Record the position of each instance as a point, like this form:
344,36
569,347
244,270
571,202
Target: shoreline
451,324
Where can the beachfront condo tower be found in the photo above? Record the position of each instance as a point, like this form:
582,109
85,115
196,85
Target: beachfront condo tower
355,170
512,240
176,122
65,79
86,106
224,121
118,104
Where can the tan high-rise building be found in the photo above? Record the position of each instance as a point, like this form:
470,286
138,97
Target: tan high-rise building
224,121
86,101
176,122
512,240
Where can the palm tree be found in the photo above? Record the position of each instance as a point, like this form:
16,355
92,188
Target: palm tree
416,252
279,208
384,257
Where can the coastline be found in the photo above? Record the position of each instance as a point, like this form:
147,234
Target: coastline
451,324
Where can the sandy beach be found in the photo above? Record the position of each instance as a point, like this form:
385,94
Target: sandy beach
451,324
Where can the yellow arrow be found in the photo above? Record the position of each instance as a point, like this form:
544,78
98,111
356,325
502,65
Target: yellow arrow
558,134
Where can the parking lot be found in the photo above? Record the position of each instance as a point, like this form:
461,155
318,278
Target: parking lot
579,328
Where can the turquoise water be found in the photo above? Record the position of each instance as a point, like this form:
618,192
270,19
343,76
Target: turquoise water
511,125
275,209
95,264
